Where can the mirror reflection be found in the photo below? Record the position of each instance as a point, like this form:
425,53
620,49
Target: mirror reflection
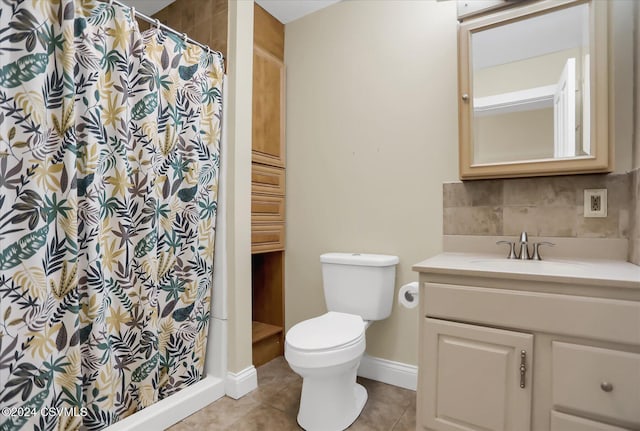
531,88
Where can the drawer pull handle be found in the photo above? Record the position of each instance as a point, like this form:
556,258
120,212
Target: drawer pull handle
606,386
523,368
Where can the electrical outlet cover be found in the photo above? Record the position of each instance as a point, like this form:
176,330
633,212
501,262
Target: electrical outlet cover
595,203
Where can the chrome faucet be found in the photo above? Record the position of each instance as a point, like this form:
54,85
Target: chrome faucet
524,248
536,246
512,249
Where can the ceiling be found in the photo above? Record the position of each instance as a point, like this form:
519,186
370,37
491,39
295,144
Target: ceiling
536,36
148,7
284,10
289,10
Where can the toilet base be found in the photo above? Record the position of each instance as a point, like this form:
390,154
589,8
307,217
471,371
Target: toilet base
361,399
331,402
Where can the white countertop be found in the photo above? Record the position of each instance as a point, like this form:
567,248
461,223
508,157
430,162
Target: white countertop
598,272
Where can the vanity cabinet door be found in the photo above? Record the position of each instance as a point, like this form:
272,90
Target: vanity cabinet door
471,378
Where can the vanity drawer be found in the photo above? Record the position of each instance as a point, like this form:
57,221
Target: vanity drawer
611,320
564,422
600,382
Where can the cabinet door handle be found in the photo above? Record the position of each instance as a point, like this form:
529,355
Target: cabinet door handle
523,368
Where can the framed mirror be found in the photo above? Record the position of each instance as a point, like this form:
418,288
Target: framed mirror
533,88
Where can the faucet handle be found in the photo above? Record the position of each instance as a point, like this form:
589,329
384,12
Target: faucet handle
536,253
524,238
512,249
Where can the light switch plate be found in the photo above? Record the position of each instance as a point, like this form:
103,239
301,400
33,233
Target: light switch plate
595,203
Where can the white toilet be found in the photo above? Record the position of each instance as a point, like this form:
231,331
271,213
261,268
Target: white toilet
326,350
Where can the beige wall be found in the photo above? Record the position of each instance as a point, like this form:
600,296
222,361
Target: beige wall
522,135
238,211
371,136
524,74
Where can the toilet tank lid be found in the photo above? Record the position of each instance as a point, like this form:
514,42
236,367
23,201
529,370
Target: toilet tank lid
362,259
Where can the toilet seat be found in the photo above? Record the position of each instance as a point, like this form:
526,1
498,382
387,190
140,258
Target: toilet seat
326,340
330,331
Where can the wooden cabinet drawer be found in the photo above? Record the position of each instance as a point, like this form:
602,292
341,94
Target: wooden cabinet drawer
267,238
267,180
564,422
580,378
267,208
610,320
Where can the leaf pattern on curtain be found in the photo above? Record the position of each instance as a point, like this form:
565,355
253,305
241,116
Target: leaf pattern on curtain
109,161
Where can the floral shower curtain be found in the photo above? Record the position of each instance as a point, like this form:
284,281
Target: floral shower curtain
109,159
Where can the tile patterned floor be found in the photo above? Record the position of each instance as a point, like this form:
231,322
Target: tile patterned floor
274,406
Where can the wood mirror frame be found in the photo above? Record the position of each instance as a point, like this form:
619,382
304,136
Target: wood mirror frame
601,159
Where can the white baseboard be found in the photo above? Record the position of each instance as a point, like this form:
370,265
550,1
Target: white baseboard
173,409
390,372
237,385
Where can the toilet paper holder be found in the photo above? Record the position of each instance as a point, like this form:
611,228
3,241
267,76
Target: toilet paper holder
408,295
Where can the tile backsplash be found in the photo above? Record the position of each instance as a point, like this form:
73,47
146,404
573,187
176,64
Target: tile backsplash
544,206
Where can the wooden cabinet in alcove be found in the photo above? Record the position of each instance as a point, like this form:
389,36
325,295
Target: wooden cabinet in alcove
267,188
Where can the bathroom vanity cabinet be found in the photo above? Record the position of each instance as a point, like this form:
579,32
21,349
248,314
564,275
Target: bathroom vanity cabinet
541,346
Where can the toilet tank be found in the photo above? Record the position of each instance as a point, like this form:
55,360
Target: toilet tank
361,284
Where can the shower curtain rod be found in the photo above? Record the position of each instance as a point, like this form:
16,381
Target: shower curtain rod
158,24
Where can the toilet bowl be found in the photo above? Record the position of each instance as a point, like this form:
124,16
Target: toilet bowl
326,351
